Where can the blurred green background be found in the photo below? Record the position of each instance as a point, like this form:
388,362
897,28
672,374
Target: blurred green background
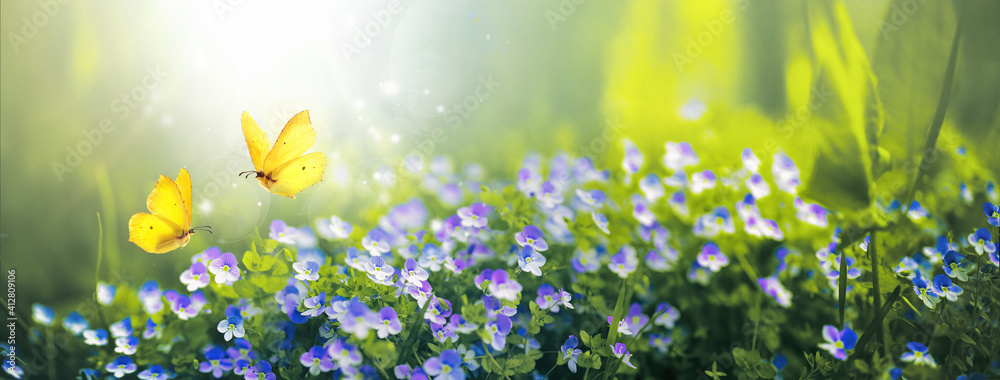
848,89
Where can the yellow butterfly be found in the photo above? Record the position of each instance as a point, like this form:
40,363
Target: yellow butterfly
284,170
169,225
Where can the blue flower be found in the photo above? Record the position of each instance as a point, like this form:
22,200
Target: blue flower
448,365
651,187
529,181
750,161
955,266
151,330
225,268
811,213
585,261
531,261
925,292
105,293
260,371
97,337
358,319
231,327
75,323
660,342
379,271
334,228
621,351
432,257
317,361
592,198
667,315
712,258
982,239
443,332
569,352
126,346
532,236
122,328
944,288
918,355
155,372
773,288
282,232
315,305
547,298
306,271
601,221
838,342
121,366
215,362
195,277
678,202
151,297
42,314
345,354
719,220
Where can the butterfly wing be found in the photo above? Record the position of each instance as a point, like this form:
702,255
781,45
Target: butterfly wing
296,138
298,174
155,234
257,141
184,185
167,202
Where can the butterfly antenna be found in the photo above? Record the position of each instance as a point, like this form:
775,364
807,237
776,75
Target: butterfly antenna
248,172
203,228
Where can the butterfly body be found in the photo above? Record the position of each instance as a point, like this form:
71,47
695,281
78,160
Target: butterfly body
167,226
282,169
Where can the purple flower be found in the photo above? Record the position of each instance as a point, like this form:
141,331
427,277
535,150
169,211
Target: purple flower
635,318
529,181
757,186
443,332
992,212
412,273
621,351
345,354
216,363
282,232
356,259
624,262
678,202
711,258
497,331
420,292
565,298
359,319
550,195
916,211
633,158
652,188
388,322
317,361
439,309
702,181
448,365
474,216
547,298
315,305
150,296
376,242
918,355
667,315
838,342
532,236
122,328
151,330
306,271
121,366
660,342
679,155
642,212
786,174
195,277
260,371
773,288
225,269
531,261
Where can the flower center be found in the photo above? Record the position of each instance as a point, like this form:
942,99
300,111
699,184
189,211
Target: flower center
225,268
531,241
232,327
838,344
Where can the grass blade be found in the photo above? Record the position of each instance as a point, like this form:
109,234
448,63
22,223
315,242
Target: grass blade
876,322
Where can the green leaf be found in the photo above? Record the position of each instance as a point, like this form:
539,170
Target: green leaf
244,289
251,260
